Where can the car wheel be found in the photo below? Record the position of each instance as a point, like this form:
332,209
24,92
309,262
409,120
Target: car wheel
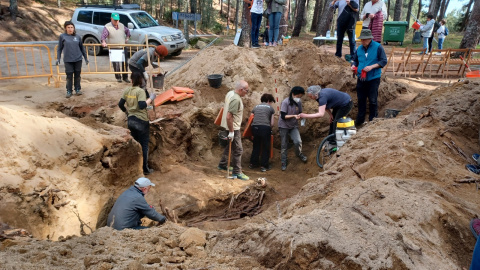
177,53
153,43
92,50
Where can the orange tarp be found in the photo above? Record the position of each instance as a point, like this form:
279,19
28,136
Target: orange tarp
164,97
248,129
218,120
177,96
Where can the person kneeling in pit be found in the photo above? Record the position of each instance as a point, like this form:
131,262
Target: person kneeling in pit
336,103
131,207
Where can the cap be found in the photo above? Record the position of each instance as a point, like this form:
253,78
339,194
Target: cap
143,182
115,16
161,50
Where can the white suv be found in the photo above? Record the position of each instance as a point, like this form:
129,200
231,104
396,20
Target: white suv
90,20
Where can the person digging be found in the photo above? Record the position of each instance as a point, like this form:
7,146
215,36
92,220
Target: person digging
139,61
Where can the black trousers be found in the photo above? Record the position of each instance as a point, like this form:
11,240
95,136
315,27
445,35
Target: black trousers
73,70
123,66
261,142
140,131
430,39
339,112
367,89
345,23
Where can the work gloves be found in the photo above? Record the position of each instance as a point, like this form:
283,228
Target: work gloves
57,62
145,76
230,135
153,96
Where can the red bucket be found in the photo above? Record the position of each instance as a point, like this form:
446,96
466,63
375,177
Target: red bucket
416,26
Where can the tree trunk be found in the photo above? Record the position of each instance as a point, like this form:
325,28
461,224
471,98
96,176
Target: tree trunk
228,9
299,18
236,15
13,9
434,7
284,20
221,9
388,8
472,33
419,8
317,10
244,40
324,21
397,14
305,14
443,9
409,12
467,15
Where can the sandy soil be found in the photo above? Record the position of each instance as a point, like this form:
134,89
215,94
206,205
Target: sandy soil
388,200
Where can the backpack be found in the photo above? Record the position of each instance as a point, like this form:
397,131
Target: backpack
436,25
446,31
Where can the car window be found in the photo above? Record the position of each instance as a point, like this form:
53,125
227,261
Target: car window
85,16
125,20
101,18
144,20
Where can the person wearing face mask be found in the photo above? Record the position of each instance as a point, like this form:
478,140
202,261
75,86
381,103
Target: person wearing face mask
262,129
131,207
336,103
290,108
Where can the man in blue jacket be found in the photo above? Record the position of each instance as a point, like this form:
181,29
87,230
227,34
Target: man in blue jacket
131,207
370,58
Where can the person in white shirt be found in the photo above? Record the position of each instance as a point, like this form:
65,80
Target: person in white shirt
441,35
369,11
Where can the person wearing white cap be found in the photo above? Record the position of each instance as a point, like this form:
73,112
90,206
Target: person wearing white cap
131,207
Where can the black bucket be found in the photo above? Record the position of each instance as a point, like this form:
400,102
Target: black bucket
158,80
391,113
215,80
223,138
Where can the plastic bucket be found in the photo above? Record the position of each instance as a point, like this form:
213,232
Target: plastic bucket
158,80
215,80
391,113
223,138
416,26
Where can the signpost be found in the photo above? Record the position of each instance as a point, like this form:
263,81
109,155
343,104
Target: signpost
176,16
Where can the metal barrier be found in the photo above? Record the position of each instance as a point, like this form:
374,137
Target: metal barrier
102,64
25,61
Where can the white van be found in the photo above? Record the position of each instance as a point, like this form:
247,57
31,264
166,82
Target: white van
90,20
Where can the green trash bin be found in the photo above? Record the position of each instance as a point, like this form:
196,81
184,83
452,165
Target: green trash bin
394,32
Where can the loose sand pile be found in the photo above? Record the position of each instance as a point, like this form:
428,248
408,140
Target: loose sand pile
387,201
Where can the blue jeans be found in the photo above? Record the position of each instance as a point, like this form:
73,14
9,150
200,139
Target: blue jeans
476,256
256,22
367,89
297,141
274,21
440,43
425,44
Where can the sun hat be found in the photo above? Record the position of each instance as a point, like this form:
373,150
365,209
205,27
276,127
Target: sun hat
365,34
143,182
115,16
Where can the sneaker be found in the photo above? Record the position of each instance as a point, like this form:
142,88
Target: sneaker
476,157
78,92
264,169
119,80
438,53
127,80
270,44
473,168
256,46
303,157
475,227
251,166
69,94
284,166
240,176
224,168
420,53
266,44
148,171
274,44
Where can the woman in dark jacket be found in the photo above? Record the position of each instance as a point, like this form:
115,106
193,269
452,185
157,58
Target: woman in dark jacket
71,45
